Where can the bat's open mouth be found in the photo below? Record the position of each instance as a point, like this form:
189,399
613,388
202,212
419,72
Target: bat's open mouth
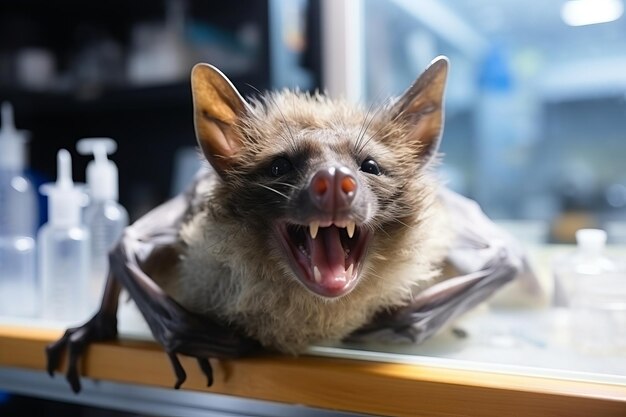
327,259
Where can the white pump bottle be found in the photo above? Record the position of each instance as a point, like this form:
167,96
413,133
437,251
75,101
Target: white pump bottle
18,223
64,248
104,217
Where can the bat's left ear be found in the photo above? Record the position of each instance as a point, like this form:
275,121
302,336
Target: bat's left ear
217,105
421,106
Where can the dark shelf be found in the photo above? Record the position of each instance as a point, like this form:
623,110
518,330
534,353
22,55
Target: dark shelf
93,99
149,122
159,97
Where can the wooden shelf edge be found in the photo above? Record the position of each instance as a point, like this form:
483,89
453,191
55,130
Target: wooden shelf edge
347,385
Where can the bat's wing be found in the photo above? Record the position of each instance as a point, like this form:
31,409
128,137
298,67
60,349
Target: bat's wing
485,257
149,246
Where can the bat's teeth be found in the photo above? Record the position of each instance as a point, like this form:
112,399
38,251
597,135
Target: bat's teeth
317,275
350,229
349,271
313,228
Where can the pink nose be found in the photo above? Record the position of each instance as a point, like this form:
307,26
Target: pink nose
333,189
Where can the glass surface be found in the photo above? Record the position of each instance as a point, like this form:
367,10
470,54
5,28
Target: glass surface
518,334
535,131
535,127
522,342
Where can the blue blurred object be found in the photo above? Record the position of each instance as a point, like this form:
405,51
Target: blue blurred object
495,73
4,397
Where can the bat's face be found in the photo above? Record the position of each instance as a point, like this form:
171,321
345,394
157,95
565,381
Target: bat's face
330,188
317,195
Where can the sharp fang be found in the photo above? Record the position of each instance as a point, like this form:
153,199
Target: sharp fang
317,275
350,229
313,228
349,270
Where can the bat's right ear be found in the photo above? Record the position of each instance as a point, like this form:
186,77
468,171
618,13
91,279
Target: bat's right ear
421,107
217,105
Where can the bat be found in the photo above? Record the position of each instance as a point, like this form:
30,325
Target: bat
313,220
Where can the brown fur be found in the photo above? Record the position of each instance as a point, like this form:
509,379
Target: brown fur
232,266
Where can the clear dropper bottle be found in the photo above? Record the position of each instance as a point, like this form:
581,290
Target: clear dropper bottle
64,248
18,223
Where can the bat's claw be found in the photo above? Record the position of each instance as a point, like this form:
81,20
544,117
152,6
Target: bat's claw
205,365
75,340
53,354
181,376
73,379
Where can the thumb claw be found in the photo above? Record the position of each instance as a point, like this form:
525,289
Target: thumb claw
74,383
53,353
178,383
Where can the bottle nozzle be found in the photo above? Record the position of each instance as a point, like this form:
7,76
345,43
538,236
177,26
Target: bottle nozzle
65,199
8,124
100,154
12,141
96,146
102,176
64,169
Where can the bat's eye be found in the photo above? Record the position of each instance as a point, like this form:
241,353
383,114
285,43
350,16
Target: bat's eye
280,166
370,166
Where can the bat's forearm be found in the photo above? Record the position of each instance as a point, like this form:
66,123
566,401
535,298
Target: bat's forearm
110,297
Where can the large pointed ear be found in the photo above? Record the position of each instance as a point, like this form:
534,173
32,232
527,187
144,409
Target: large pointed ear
421,106
217,106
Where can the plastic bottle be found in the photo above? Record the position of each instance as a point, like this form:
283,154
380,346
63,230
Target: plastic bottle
64,248
18,223
593,286
104,217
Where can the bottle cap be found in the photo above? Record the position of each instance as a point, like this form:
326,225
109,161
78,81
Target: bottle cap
102,174
12,141
65,200
591,240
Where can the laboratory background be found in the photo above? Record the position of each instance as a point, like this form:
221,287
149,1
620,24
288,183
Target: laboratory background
535,132
534,104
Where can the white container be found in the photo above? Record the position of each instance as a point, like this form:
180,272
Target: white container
598,313
593,286
64,241
18,224
19,292
589,259
104,217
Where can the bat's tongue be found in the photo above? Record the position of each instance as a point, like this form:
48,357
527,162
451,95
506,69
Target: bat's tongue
328,259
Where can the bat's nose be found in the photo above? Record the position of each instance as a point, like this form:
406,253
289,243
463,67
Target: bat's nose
333,189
